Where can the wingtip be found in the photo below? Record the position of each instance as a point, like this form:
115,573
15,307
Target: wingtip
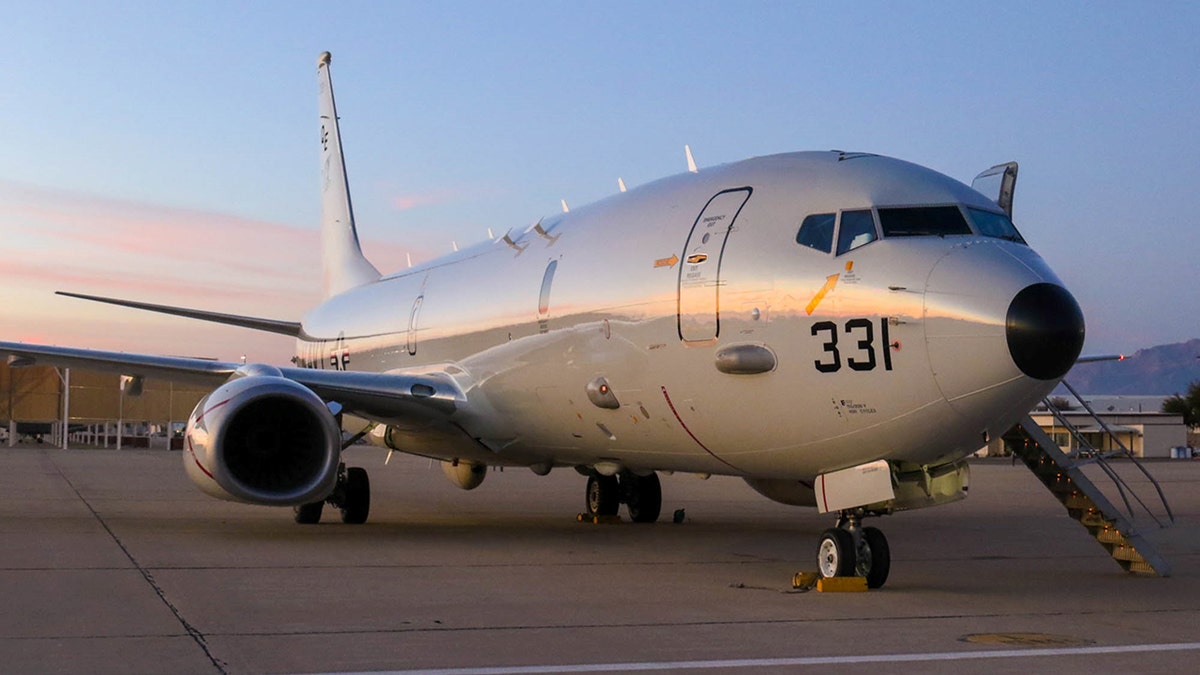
324,59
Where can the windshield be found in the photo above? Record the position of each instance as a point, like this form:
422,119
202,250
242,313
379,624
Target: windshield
857,229
995,225
923,221
817,232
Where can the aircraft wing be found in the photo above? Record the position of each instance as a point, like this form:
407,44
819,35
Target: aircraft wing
379,396
175,368
384,396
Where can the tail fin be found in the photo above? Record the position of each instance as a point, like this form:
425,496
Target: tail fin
342,260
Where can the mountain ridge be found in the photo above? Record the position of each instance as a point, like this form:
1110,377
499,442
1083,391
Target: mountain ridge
1164,369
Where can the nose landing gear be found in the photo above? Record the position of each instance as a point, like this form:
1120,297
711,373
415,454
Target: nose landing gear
852,550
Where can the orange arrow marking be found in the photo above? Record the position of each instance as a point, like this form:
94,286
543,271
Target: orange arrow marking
667,262
830,282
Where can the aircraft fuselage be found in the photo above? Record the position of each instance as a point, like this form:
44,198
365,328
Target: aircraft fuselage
721,343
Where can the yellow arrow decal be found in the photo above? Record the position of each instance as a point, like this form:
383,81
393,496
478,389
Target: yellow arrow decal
667,262
830,282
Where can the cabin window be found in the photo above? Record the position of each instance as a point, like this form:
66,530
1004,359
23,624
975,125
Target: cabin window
857,229
817,232
995,225
923,221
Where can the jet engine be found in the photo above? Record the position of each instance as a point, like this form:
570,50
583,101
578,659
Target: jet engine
464,474
263,439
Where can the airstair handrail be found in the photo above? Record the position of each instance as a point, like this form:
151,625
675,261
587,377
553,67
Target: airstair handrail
1101,459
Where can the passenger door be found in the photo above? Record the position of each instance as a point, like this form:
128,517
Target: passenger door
699,315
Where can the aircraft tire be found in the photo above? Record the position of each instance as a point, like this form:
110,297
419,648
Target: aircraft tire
309,514
881,557
603,495
835,553
643,498
357,503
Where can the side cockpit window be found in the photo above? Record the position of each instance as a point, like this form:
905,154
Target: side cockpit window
995,225
923,221
857,229
817,232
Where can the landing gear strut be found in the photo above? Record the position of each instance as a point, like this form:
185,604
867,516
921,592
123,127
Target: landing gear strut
852,550
351,495
642,496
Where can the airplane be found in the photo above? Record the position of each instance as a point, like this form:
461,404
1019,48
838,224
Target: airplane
839,329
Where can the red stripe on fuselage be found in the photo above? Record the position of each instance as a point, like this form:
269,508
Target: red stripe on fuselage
689,432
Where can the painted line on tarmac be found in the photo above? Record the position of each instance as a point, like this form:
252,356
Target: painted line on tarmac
797,661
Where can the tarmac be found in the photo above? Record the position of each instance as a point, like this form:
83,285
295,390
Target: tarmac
112,562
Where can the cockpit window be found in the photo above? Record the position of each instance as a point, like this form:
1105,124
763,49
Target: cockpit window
817,232
923,221
858,229
995,225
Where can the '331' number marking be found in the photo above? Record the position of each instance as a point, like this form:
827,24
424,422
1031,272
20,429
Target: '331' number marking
862,352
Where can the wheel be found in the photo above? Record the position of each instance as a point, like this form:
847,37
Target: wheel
643,497
603,495
309,514
879,555
835,553
357,503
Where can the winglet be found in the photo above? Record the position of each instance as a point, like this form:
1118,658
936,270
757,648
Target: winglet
342,261
687,150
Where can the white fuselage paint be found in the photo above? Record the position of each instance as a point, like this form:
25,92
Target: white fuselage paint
624,303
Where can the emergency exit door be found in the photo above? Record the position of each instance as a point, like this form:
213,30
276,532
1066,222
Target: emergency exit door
700,268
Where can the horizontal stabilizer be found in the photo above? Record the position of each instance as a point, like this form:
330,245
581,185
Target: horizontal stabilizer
290,328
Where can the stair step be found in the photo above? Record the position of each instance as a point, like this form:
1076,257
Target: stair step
1141,568
1110,535
1125,552
1062,487
1079,501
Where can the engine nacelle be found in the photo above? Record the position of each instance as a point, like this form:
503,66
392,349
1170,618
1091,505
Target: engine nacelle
263,439
464,474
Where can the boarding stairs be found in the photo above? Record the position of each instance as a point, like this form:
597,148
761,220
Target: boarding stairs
1062,472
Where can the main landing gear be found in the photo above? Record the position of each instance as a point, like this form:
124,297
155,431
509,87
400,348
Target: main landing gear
641,495
850,550
351,495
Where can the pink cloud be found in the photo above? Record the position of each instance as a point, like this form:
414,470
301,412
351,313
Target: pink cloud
431,198
63,240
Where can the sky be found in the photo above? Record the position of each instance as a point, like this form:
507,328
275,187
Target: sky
167,152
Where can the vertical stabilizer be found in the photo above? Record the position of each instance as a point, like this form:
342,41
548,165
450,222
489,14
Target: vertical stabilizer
343,264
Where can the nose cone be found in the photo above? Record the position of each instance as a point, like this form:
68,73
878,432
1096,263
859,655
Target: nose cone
1044,328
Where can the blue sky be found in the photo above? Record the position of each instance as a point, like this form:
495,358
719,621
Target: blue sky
167,151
